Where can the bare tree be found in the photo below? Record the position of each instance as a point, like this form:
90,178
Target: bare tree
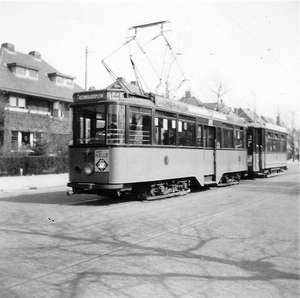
219,90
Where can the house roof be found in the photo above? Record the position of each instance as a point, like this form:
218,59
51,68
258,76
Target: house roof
247,114
221,107
268,120
251,116
43,87
191,100
131,87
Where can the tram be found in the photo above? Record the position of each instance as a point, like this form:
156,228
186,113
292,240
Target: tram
267,149
151,146
127,141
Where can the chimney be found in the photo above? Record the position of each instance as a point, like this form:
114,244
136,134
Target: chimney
188,94
8,46
278,120
122,79
134,83
35,54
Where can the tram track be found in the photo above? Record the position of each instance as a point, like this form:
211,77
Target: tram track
170,231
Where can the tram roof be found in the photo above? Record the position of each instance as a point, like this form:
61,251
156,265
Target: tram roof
268,126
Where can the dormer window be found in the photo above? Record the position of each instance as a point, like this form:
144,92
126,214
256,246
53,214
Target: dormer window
21,71
33,73
61,79
69,82
24,71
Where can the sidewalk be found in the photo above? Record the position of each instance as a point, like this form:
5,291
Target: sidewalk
33,182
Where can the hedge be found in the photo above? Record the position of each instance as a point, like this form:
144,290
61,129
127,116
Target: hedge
33,165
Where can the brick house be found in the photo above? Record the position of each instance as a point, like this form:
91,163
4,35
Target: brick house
34,103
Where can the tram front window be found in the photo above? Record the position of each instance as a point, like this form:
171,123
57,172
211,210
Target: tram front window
89,124
115,124
92,123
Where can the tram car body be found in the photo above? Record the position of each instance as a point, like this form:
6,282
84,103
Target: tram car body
151,145
267,149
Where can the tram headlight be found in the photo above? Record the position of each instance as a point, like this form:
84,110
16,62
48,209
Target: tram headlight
88,169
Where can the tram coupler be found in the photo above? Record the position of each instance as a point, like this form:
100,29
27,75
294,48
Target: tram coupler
70,193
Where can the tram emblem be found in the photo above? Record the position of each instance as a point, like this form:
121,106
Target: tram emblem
101,165
101,160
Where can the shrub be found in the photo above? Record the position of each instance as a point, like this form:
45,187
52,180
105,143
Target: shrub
33,165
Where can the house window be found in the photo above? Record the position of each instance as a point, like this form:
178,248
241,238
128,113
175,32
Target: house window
33,73
14,141
26,72
17,102
58,109
59,80
21,71
69,82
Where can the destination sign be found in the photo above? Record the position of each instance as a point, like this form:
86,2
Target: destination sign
89,96
180,106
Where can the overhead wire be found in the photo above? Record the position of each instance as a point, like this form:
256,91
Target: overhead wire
254,38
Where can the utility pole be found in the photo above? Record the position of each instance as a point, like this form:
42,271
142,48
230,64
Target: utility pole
86,56
293,136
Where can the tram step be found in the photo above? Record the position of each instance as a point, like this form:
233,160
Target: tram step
210,182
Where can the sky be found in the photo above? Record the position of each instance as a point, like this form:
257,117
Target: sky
250,47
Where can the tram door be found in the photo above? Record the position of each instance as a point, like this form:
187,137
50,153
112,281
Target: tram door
255,149
209,139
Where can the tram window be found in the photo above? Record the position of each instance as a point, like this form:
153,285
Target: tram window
116,124
165,129
219,137
88,129
283,144
98,133
250,142
89,124
227,138
276,145
269,144
84,129
239,138
186,132
139,125
209,137
200,136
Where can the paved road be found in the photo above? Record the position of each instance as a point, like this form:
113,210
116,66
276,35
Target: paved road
240,241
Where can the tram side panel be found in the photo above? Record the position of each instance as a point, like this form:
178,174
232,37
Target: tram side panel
134,165
275,160
230,161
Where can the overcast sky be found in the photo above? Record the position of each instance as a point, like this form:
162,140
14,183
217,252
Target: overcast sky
251,47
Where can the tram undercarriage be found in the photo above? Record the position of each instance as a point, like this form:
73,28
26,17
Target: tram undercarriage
155,190
268,173
162,190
